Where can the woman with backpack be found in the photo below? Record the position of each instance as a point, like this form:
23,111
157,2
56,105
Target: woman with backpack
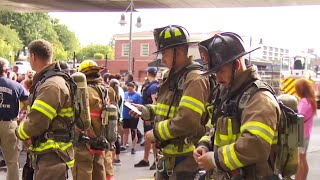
307,107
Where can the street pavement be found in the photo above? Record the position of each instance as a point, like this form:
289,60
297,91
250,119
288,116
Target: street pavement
126,171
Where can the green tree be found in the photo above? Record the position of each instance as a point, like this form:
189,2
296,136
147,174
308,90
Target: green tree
68,39
5,48
31,26
98,56
11,37
88,52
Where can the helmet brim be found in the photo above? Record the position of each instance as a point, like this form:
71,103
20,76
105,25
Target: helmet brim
175,45
214,70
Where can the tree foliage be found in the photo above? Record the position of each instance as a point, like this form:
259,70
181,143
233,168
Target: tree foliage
66,37
89,51
98,56
32,26
11,37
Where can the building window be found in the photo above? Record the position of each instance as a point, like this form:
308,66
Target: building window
270,58
276,54
270,48
264,57
276,49
265,48
270,53
265,53
287,51
144,50
281,50
125,50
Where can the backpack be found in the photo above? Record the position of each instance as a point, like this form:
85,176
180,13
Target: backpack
290,128
67,134
145,90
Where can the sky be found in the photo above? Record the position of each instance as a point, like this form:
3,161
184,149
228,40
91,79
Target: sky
296,28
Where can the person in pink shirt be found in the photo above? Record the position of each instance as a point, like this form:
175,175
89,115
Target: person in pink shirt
307,106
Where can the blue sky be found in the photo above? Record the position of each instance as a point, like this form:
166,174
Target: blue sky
295,28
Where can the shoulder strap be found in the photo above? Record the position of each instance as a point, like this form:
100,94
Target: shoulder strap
248,92
51,73
103,92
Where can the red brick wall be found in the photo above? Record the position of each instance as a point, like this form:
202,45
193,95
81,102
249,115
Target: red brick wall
121,66
135,49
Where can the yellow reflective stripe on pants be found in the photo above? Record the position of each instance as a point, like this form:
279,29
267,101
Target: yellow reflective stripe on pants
50,144
230,158
172,149
259,129
70,164
163,129
192,103
44,108
68,112
205,139
22,134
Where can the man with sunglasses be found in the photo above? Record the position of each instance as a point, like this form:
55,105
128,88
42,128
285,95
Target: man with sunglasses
245,115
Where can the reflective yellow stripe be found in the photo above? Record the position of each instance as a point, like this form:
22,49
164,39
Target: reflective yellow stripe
177,32
162,110
68,112
230,158
163,128
50,144
275,138
153,107
167,33
193,104
234,157
259,129
226,158
22,134
205,139
70,164
172,149
229,129
45,108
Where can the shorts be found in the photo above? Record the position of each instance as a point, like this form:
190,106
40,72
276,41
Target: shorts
147,128
304,149
131,123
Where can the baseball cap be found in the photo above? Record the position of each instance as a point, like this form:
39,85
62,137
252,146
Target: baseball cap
152,70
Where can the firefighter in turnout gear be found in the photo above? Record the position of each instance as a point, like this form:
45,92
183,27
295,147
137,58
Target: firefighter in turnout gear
179,114
242,143
90,155
50,112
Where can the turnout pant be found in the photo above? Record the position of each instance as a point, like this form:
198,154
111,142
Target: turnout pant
50,166
88,166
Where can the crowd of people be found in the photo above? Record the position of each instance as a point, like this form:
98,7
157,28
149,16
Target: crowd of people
195,119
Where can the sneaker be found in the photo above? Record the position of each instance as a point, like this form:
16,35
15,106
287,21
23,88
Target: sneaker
153,166
142,163
127,145
3,164
139,140
116,162
123,149
142,144
133,151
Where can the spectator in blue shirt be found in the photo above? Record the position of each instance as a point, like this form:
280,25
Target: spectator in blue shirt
11,93
130,122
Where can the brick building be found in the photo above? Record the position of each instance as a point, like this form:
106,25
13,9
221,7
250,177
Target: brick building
142,48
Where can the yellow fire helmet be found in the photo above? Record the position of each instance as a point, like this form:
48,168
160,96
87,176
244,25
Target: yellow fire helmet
89,67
